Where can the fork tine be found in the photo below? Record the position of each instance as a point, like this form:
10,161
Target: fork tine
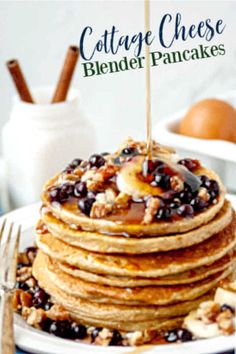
5,254
2,229
12,272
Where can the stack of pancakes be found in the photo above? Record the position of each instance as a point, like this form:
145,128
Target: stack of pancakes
119,273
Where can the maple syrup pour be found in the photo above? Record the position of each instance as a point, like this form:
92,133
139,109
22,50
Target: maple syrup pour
148,84
189,178
173,169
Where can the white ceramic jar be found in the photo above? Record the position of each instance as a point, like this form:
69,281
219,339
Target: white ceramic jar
40,139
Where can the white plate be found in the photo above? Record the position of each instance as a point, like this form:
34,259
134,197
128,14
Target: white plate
35,341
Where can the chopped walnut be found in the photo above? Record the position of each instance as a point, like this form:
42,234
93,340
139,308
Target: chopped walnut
136,338
140,337
225,321
26,311
122,200
107,197
95,178
23,259
24,274
21,299
58,313
177,185
153,205
78,171
36,317
31,282
104,337
103,204
203,194
100,210
208,311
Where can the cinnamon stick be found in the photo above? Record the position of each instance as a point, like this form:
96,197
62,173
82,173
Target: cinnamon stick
66,74
19,80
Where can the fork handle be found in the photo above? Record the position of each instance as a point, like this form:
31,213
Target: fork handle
7,330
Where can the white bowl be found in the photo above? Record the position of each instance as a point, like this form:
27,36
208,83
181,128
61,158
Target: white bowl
219,155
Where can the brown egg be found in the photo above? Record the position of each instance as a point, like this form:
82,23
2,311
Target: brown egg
210,119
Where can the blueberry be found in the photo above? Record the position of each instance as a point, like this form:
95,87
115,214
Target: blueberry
162,180
55,328
185,196
80,189
190,164
47,324
48,305
129,151
21,285
95,333
203,180
31,253
40,298
184,335
78,331
116,338
20,265
30,250
85,205
61,194
117,161
96,161
174,204
163,213
56,195
212,185
185,210
213,189
61,329
67,189
213,195
178,334
198,204
225,307
171,336
76,162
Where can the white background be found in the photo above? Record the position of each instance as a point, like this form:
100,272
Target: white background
39,32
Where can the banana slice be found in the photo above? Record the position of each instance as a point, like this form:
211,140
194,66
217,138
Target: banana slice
200,329
129,181
223,296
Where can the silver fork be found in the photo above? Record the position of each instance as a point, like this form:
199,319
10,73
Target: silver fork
8,266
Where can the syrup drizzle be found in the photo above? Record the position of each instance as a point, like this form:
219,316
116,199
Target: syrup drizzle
148,83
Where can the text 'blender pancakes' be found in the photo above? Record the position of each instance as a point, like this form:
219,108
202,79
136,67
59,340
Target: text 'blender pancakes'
131,244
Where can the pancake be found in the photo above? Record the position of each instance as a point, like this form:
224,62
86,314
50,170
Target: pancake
158,325
187,277
96,242
128,221
110,312
151,295
148,266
